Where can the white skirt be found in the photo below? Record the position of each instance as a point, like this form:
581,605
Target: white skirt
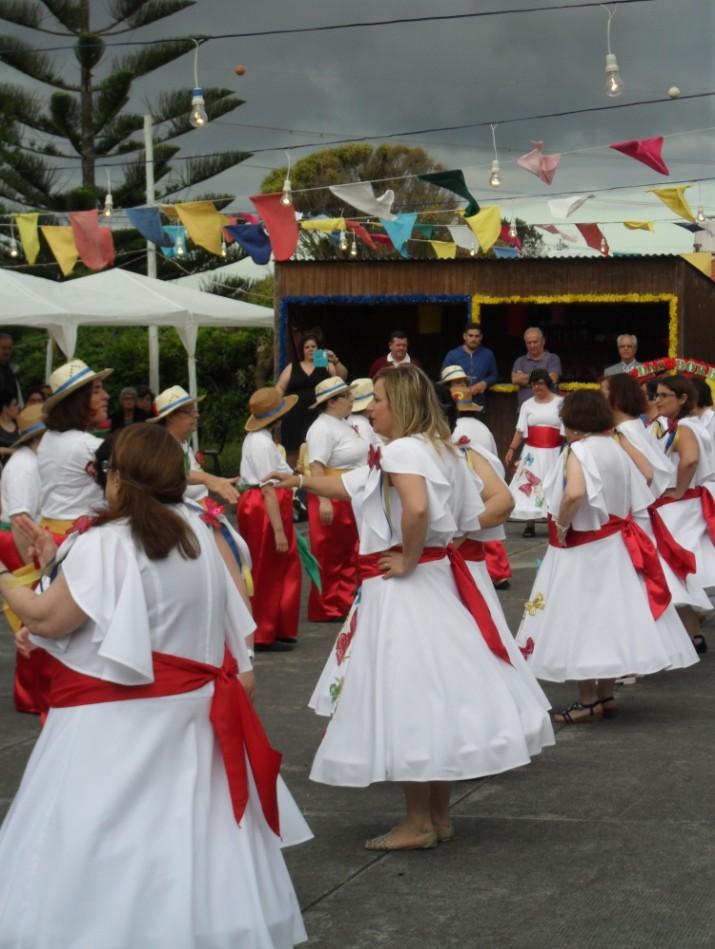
419,696
683,593
122,836
588,617
527,485
685,521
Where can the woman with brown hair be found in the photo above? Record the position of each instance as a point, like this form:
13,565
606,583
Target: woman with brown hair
593,609
163,843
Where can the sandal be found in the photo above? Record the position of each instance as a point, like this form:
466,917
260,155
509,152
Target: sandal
426,841
445,833
529,531
610,709
700,644
594,709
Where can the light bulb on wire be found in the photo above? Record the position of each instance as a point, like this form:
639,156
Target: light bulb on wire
224,250
198,115
614,83
179,246
512,230
343,242
700,216
14,249
473,252
287,195
353,247
604,246
108,204
495,175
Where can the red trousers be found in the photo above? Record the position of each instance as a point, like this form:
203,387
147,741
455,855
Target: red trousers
335,547
497,560
276,576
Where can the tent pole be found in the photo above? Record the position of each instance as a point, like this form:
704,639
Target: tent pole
193,392
151,252
48,358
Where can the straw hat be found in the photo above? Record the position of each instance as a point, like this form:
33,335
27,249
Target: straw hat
452,374
329,388
70,377
362,390
267,405
30,424
170,400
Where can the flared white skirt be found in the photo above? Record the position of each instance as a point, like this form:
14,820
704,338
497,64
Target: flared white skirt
527,485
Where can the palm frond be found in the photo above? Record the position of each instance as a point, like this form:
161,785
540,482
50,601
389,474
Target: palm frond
140,12
152,57
21,12
112,96
115,134
66,118
67,12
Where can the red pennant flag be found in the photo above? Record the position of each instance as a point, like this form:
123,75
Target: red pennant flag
514,241
646,150
95,244
594,237
280,223
227,235
381,239
361,234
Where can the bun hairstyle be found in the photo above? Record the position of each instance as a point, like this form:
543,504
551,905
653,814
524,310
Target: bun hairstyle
150,465
414,405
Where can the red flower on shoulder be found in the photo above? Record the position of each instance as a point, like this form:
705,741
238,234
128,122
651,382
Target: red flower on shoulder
82,525
212,513
464,440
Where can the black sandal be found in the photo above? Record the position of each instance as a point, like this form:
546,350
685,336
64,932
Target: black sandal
610,709
700,644
529,531
566,718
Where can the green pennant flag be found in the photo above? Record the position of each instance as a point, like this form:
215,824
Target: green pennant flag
426,230
310,564
453,181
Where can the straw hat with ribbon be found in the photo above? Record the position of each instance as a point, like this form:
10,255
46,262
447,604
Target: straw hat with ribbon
328,389
267,405
70,377
362,390
30,424
452,374
170,400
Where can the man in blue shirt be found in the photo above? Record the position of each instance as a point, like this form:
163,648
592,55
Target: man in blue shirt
477,361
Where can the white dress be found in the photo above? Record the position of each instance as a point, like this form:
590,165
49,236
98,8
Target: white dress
422,697
66,461
527,485
588,616
122,834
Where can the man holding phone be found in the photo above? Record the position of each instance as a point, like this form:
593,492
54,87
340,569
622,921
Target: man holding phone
397,356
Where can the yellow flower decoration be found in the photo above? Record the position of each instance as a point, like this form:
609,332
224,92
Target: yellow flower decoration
531,606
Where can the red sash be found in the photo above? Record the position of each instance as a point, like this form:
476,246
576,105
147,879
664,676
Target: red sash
707,503
468,591
472,550
543,436
237,727
641,550
680,560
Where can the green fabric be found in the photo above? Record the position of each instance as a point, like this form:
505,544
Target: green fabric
5,526
453,181
426,230
310,564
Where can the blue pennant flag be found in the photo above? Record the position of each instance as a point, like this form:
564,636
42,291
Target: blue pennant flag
172,231
400,231
506,251
253,239
148,222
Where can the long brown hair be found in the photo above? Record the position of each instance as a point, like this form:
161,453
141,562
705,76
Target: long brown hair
414,405
72,413
150,464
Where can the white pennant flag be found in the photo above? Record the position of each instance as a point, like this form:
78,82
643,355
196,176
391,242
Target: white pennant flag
359,194
563,207
463,236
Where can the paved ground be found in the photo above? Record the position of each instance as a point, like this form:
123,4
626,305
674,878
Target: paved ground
606,841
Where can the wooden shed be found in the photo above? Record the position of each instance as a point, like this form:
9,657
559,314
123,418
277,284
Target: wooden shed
581,304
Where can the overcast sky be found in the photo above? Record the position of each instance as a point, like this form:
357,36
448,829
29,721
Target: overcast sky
375,81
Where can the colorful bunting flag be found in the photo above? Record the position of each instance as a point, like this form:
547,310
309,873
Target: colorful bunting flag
563,207
399,231
505,236
693,228
543,166
280,223
506,252
253,239
326,224
62,245
453,181
646,150
203,223
463,236
29,237
173,233
593,235
95,244
639,225
486,226
674,198
359,194
444,250
702,261
361,233
148,222
426,230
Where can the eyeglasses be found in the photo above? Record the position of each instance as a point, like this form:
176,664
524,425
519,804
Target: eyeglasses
191,410
665,395
105,467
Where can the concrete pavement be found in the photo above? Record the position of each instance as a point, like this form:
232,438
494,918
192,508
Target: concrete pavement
606,841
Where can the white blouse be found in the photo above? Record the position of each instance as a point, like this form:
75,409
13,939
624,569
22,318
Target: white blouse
259,456
539,413
335,444
66,462
21,484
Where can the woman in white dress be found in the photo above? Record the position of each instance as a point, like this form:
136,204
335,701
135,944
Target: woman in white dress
539,428
362,390
704,404
128,828
430,695
591,615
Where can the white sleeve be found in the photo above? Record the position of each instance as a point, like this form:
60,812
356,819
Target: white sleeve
320,443
21,488
521,423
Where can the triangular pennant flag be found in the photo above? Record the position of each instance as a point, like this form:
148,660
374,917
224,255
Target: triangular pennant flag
508,239
646,150
426,230
94,243
382,239
148,222
639,225
203,223
674,198
701,261
543,166
280,223
693,228
326,224
549,228
29,238
359,194
506,252
486,226
563,207
453,181
463,236
173,232
361,234
400,230
62,245
444,250
253,239
594,237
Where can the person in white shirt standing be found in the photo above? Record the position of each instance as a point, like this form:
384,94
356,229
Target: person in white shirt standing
20,486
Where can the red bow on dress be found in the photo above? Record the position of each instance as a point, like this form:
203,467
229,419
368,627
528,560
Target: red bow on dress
374,457
81,525
531,482
212,513
528,648
464,441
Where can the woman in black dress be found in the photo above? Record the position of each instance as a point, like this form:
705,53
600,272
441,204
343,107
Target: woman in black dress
9,410
300,378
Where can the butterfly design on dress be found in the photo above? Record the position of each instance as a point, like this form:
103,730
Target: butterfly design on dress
531,482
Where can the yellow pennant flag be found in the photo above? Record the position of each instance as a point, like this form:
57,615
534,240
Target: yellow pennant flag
29,238
639,225
62,245
203,223
702,260
486,226
444,250
327,224
674,198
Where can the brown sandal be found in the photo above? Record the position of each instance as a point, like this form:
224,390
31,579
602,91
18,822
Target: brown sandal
594,709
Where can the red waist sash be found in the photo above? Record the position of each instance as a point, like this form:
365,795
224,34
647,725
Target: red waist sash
641,550
472,550
543,436
236,725
707,503
680,560
468,591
